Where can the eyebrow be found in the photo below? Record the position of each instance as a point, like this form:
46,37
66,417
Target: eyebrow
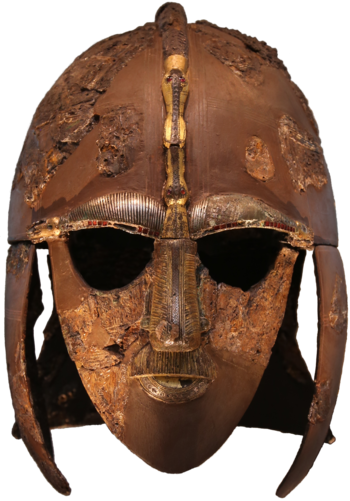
140,214
129,208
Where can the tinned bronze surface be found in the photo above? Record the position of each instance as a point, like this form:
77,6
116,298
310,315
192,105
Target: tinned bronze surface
174,317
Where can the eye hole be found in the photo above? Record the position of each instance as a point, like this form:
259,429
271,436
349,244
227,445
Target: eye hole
240,258
108,258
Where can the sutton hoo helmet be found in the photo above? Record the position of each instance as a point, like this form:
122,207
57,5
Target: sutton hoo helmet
176,176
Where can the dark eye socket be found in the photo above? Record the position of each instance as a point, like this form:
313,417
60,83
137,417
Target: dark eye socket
108,258
240,258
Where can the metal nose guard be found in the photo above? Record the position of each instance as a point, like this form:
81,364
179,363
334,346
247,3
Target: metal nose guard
174,368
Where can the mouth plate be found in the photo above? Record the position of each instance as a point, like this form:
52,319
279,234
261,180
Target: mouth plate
173,377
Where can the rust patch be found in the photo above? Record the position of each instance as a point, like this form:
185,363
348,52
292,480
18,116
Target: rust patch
108,389
102,335
120,133
172,23
66,114
237,59
247,323
208,296
338,315
303,155
258,160
266,53
17,258
321,403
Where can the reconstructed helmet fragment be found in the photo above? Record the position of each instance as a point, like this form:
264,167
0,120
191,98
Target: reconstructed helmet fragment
176,176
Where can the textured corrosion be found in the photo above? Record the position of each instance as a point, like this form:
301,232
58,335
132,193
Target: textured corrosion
338,315
321,403
231,54
227,212
258,160
247,323
172,23
247,64
303,155
17,258
120,134
267,53
66,114
101,336
66,401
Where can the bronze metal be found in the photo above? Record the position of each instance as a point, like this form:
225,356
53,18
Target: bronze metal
174,317
206,333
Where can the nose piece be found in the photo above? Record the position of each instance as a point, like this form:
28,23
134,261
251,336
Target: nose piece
175,323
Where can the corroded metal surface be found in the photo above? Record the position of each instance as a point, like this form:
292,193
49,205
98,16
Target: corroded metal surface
258,160
338,314
303,155
168,326
248,67
172,23
321,403
101,336
233,56
120,133
66,115
17,258
247,323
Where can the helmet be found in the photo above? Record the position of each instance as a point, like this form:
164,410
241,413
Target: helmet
176,175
